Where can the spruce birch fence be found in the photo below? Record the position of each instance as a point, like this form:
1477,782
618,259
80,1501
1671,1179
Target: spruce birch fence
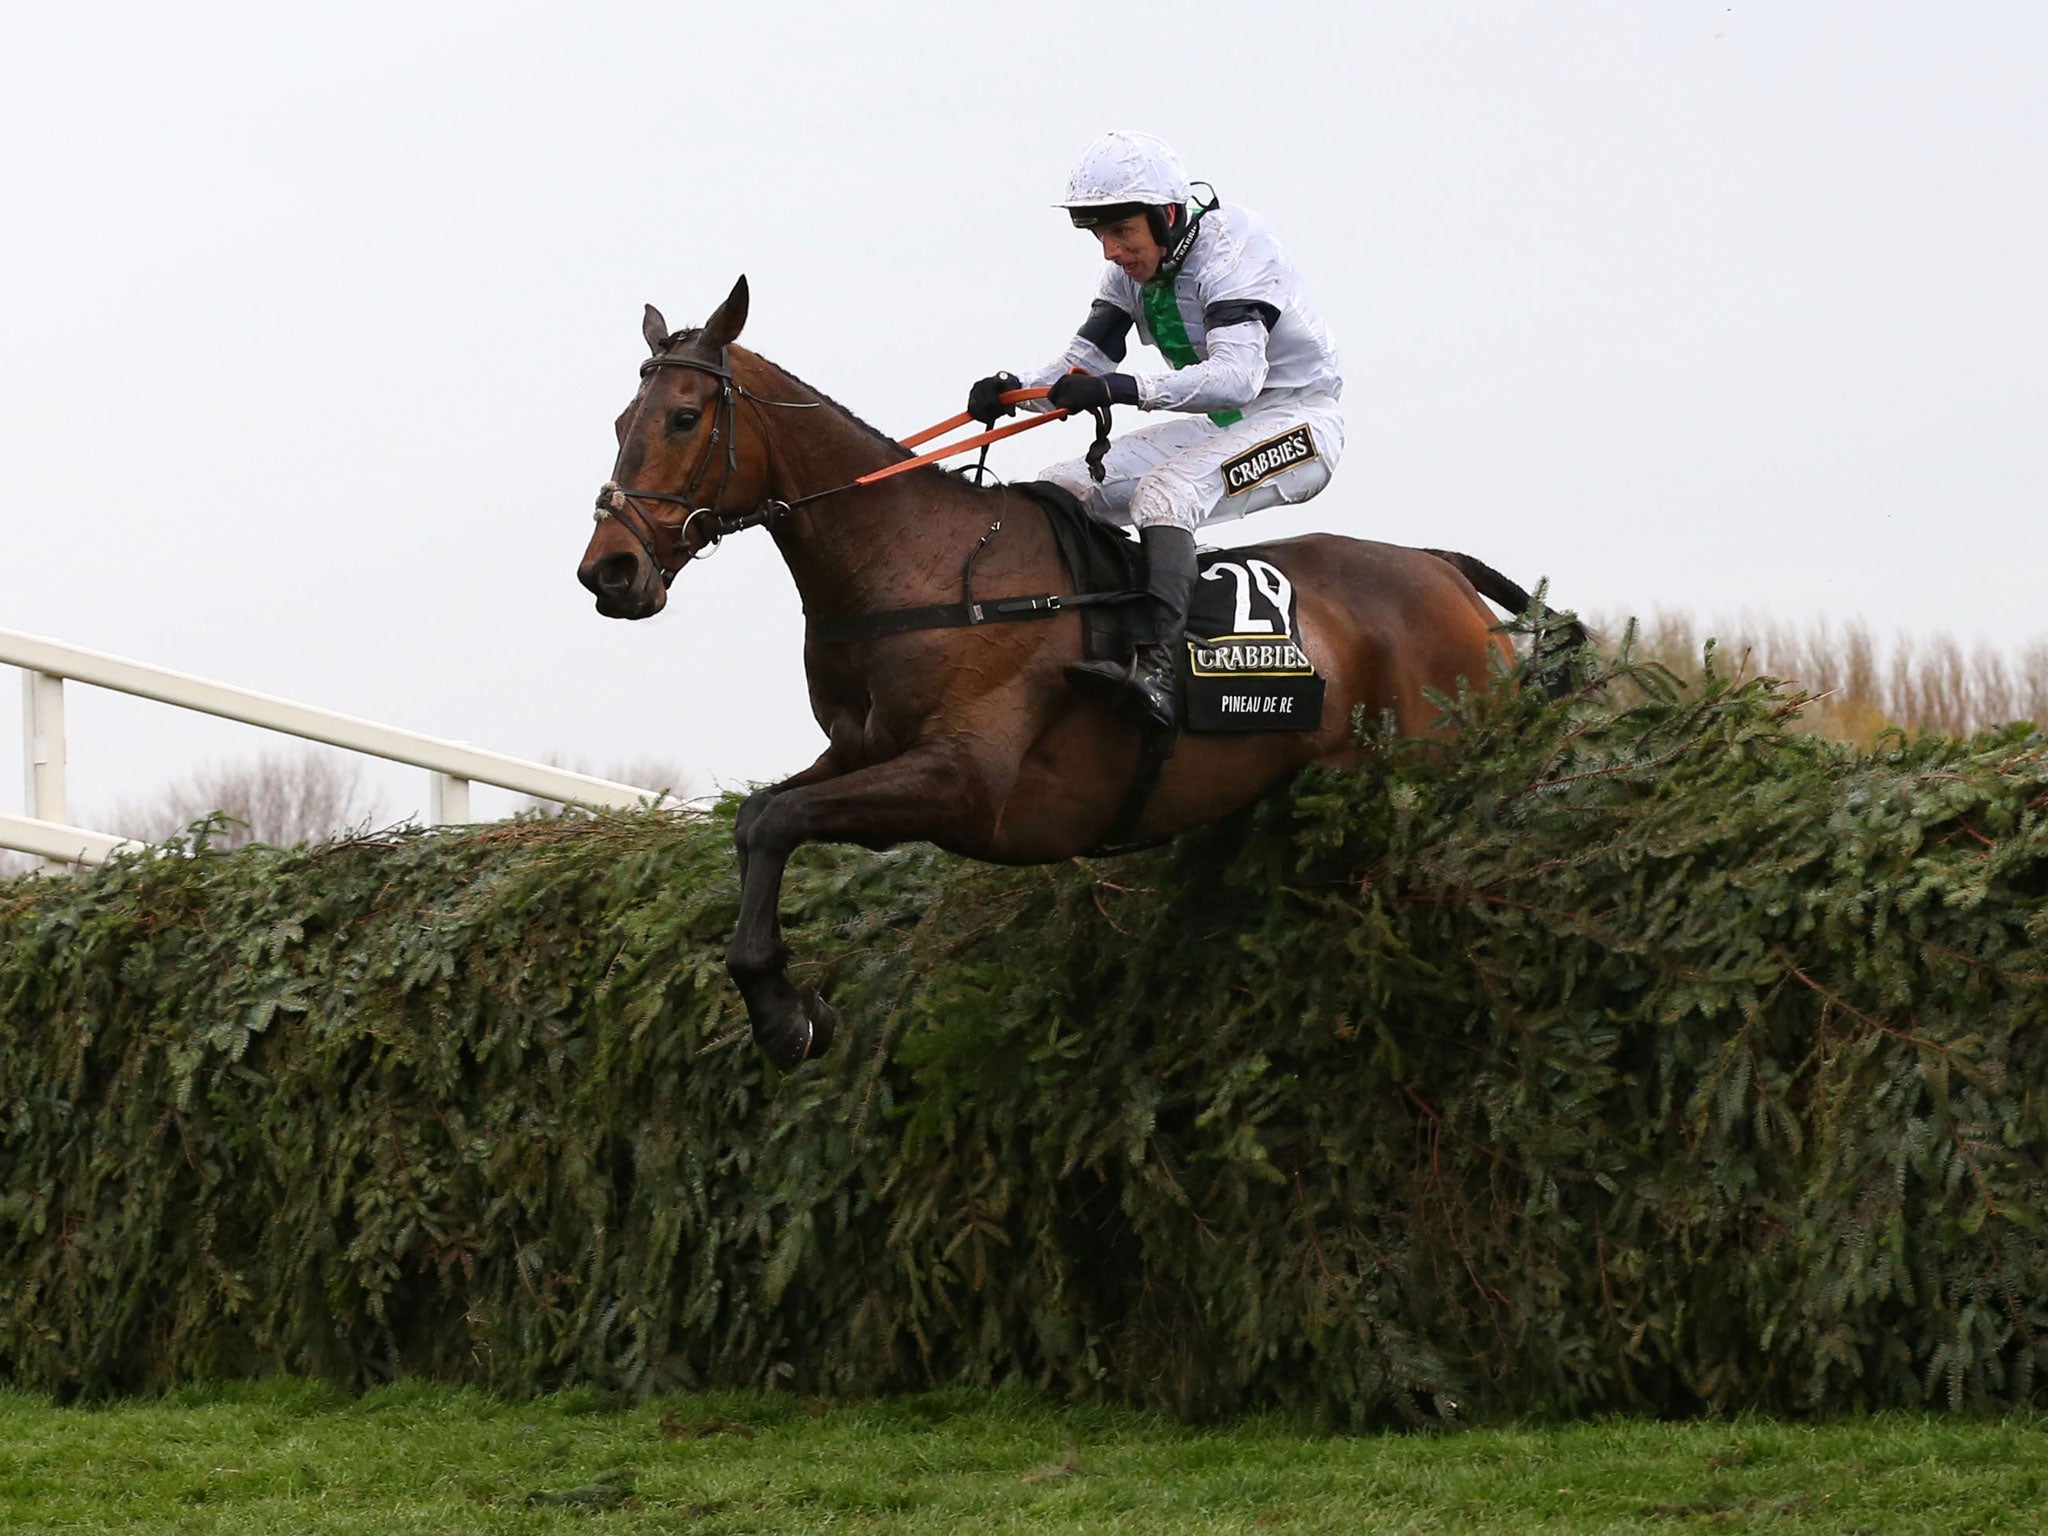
47,665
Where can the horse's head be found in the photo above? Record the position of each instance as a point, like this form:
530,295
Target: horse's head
681,468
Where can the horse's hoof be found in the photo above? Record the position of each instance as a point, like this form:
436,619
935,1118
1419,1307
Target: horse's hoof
786,1039
796,1031
824,1022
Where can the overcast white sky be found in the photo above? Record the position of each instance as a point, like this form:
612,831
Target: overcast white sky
315,317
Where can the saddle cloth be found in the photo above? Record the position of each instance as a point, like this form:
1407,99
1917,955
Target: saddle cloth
1245,669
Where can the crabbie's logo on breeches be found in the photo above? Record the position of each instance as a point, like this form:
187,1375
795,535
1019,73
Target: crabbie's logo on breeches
1294,446
1246,668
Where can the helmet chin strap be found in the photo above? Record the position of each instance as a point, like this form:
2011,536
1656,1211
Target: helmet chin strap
1184,241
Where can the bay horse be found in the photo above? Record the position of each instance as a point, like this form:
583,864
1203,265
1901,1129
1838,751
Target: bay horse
965,737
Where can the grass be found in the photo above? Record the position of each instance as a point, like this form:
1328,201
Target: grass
282,1457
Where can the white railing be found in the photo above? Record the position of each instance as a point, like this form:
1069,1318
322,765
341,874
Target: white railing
47,664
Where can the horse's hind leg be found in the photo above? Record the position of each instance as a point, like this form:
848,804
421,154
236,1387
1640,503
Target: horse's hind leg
920,795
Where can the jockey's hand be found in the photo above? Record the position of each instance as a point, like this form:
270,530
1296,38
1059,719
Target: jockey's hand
982,402
1087,391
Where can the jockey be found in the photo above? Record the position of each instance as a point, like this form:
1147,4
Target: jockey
1254,385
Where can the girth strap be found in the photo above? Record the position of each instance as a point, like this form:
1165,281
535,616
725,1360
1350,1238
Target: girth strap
1155,746
851,627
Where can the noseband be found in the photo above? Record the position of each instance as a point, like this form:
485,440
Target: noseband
613,502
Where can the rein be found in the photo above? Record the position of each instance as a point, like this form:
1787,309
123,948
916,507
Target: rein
616,502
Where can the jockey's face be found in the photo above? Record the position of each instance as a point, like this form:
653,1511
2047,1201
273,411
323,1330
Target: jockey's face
1129,243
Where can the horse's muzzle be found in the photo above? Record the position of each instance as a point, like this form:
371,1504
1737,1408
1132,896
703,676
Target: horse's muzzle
625,585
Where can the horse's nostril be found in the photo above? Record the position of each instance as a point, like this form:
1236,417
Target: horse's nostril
609,576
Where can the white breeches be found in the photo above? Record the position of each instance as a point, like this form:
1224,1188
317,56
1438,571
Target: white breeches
1188,471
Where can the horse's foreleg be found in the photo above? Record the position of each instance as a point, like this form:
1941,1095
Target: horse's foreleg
826,767
919,795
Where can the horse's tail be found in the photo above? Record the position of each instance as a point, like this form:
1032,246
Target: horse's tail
1559,639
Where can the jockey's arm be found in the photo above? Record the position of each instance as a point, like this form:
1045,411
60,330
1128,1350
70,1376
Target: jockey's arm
1233,373
1228,379
1098,346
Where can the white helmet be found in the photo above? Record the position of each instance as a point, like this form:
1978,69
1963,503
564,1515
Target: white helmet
1124,171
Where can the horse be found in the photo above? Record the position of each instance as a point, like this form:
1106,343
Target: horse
967,737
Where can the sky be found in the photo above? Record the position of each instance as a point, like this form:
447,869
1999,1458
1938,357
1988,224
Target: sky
316,317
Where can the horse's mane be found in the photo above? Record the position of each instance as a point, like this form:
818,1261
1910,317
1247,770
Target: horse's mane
681,339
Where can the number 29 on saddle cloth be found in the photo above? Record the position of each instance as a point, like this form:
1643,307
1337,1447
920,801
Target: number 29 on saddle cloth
1246,669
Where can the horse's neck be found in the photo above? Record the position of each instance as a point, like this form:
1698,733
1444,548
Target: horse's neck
868,547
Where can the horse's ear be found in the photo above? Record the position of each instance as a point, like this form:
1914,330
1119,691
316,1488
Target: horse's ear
655,329
723,328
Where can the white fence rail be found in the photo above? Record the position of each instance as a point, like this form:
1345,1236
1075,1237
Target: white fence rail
47,664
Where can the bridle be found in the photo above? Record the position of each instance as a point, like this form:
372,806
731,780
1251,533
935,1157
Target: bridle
615,502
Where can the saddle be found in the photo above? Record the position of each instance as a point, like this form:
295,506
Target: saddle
1099,557
1244,668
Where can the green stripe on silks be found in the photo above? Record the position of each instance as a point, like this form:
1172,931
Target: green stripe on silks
1170,335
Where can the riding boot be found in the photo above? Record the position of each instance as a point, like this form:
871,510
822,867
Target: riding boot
1146,689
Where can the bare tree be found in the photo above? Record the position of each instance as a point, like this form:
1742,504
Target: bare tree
2030,681
281,799
1861,686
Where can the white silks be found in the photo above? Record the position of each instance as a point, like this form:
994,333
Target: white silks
1246,349
1269,341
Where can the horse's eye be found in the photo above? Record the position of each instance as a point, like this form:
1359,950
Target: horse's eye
684,419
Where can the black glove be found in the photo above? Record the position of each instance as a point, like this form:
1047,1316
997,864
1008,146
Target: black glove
1087,391
982,403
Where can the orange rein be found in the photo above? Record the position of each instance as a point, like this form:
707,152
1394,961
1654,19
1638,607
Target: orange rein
1008,397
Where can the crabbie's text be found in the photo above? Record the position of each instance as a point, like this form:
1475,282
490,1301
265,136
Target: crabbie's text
1239,658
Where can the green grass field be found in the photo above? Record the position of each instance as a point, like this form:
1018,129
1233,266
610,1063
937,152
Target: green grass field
289,1457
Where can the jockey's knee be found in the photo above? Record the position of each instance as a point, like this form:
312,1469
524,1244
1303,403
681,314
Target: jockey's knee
1168,496
1073,477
